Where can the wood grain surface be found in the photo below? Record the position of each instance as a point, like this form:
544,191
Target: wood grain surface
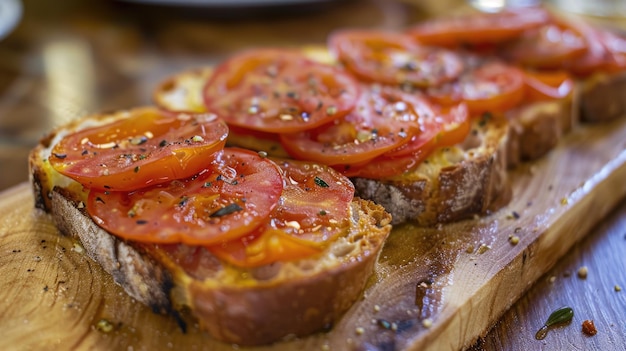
461,277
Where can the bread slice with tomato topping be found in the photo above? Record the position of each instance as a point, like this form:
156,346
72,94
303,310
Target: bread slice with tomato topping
454,183
294,272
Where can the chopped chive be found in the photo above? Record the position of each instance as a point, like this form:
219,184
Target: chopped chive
320,182
232,208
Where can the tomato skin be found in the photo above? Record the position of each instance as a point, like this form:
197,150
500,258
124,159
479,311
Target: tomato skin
313,211
279,91
606,51
393,58
547,47
547,85
447,127
234,194
479,28
492,87
146,146
384,119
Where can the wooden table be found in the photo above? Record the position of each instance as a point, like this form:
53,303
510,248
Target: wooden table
71,58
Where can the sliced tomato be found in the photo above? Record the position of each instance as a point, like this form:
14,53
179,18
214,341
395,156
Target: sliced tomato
138,148
312,212
384,119
492,87
394,58
547,85
479,28
606,51
233,195
547,47
446,127
279,91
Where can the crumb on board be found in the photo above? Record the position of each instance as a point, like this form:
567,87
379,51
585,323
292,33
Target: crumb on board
582,272
589,328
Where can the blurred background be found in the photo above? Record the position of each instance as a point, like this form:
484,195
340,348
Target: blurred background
63,59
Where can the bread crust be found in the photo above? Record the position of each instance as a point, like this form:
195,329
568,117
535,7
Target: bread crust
290,298
603,97
536,128
453,183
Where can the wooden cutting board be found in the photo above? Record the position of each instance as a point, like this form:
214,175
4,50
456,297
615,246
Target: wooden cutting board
433,289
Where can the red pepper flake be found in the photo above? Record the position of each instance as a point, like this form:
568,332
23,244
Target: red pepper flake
589,328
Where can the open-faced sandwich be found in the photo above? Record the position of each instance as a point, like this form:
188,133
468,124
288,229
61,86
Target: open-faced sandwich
178,220
421,125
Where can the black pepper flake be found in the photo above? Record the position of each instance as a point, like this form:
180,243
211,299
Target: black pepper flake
322,213
61,156
183,201
45,288
232,208
163,143
84,153
515,215
136,169
141,221
320,182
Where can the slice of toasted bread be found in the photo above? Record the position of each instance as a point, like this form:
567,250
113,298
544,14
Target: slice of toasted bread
603,97
453,183
536,128
247,306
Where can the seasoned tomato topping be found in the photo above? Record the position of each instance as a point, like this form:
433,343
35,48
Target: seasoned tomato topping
383,119
479,28
440,127
233,195
394,58
279,91
492,87
547,46
312,212
140,147
547,85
